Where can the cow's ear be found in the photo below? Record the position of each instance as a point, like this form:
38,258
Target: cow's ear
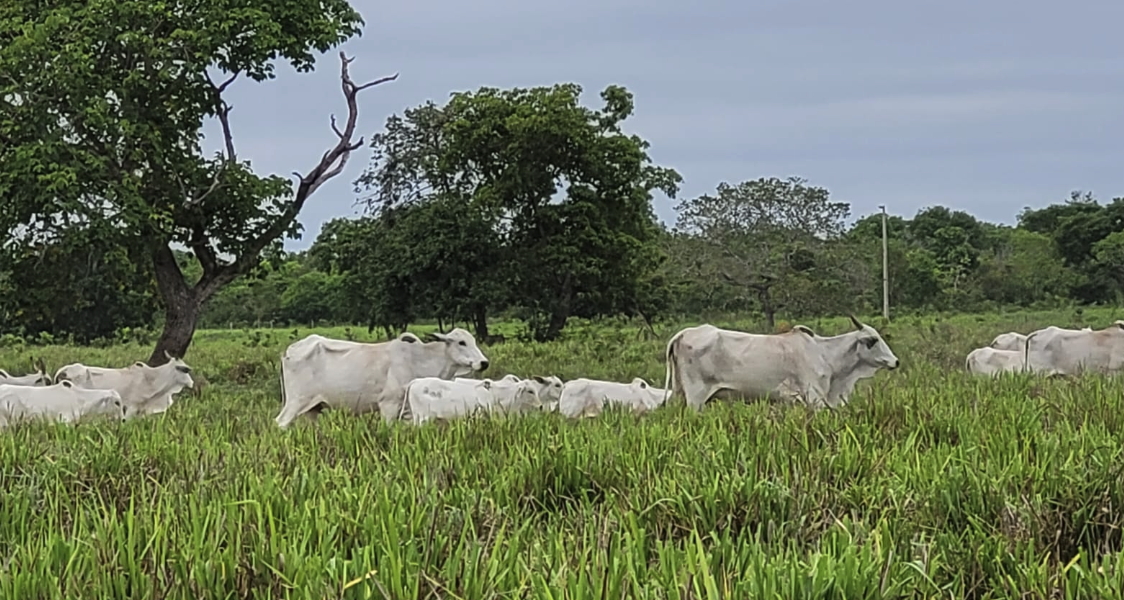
435,336
66,384
409,338
539,379
1119,324
805,330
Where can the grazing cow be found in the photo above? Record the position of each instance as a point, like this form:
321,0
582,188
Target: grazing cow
62,401
704,361
1017,341
318,372
990,361
587,397
144,390
1055,351
430,398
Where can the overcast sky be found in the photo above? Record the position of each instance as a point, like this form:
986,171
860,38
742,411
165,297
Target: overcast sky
987,107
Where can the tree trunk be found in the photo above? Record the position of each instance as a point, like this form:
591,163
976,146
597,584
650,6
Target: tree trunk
181,307
182,304
560,314
480,323
768,308
180,319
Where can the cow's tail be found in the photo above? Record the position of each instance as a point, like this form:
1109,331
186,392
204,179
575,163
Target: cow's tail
281,371
1026,351
671,383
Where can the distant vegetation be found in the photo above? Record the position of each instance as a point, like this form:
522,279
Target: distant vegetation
400,268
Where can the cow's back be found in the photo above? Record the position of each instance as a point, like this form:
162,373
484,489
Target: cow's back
342,371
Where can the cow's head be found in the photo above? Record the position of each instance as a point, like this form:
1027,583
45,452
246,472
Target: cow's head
108,403
1008,341
871,348
461,349
549,389
527,396
179,373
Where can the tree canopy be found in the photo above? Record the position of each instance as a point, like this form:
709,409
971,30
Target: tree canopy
103,105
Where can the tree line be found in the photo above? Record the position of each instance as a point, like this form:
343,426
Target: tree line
518,203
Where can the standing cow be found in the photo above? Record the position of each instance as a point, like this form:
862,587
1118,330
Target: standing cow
319,372
1056,351
144,390
704,361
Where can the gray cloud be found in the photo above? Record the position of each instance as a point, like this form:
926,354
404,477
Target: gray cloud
984,107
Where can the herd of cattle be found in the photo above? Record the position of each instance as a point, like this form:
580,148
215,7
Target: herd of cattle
410,379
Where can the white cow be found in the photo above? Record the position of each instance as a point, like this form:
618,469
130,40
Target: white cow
145,390
704,361
1057,351
990,361
548,388
1017,341
39,378
430,398
319,372
62,402
587,397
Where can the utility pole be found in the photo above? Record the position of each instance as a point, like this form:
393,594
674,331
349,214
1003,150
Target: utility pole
885,269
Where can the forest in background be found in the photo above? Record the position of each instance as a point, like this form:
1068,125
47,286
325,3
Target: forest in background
421,264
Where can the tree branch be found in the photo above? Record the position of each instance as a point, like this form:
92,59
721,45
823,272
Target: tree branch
331,164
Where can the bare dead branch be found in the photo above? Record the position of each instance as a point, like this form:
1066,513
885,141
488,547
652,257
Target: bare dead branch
330,165
222,110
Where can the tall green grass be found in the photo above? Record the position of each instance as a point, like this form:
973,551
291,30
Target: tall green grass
929,484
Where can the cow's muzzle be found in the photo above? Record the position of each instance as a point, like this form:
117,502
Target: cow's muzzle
894,365
483,366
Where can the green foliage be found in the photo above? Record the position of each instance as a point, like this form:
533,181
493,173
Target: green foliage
77,287
102,105
521,199
930,483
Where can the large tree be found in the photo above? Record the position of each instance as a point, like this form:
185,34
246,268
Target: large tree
565,189
760,234
103,103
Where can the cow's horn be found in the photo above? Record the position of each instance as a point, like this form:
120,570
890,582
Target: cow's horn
855,321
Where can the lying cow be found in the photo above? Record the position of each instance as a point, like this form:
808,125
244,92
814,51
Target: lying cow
61,402
549,388
430,398
587,397
144,390
989,361
1055,351
1017,341
704,361
318,372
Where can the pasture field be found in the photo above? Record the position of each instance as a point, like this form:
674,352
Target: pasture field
929,484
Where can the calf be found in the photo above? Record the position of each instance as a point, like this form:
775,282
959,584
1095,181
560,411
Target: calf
430,398
586,397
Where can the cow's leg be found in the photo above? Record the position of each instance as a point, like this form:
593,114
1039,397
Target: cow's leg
696,393
391,410
295,408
